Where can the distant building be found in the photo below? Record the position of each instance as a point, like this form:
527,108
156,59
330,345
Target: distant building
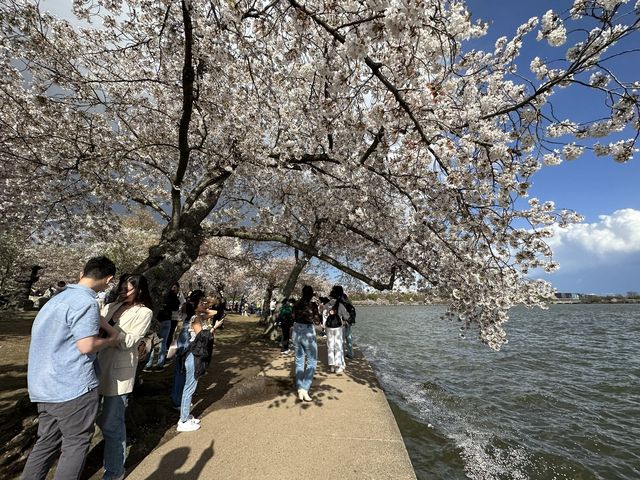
567,296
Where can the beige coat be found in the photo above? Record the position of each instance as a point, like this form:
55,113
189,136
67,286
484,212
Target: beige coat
118,364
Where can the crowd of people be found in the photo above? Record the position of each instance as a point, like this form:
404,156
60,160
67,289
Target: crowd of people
88,341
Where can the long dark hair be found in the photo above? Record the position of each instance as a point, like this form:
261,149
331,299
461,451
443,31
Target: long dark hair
307,293
192,302
114,293
337,292
139,282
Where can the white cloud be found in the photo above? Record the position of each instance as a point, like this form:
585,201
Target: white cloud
601,257
614,235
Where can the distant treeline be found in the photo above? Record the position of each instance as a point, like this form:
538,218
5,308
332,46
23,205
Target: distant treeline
631,297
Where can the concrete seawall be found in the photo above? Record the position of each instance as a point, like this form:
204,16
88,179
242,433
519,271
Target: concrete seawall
347,432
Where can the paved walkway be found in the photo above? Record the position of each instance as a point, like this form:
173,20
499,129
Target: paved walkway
347,432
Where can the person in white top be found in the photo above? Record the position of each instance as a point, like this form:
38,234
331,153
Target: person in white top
334,316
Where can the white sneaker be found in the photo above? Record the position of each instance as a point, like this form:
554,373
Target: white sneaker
191,418
301,393
188,426
332,369
340,370
306,396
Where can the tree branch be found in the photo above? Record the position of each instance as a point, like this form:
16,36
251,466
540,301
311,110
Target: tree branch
188,78
308,249
153,205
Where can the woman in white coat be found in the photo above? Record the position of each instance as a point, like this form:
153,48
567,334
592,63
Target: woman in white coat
131,315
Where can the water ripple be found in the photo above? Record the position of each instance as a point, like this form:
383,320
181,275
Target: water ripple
562,400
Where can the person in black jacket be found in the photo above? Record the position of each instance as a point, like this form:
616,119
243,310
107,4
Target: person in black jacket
170,304
195,359
305,316
194,301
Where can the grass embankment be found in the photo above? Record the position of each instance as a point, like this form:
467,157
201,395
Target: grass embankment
239,355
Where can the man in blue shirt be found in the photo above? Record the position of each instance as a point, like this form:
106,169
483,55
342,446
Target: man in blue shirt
61,375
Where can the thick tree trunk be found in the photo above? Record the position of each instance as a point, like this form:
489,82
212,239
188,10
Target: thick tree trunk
170,259
301,262
19,297
265,304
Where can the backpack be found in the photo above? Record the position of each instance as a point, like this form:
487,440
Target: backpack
202,349
285,314
333,319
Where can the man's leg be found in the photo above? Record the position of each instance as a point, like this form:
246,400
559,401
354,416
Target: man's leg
46,447
286,333
76,419
149,363
172,331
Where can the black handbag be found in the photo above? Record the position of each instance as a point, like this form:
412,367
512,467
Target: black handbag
333,319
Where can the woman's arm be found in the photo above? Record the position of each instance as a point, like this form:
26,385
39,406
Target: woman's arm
135,329
216,325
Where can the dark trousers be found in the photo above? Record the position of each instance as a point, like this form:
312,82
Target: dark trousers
66,426
286,335
172,330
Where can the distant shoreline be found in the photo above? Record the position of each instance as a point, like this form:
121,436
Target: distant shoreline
605,301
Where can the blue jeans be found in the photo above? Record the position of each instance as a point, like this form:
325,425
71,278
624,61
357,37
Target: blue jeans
165,327
348,339
179,376
189,389
305,346
114,431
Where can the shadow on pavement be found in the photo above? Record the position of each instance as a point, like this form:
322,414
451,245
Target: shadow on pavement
173,460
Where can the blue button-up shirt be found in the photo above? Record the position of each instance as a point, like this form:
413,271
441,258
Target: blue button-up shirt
57,371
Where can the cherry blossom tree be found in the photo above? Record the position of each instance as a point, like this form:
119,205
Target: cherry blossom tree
243,269
374,122
127,245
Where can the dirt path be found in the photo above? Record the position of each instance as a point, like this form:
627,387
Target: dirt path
239,354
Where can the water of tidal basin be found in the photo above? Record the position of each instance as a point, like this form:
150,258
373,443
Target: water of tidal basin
560,401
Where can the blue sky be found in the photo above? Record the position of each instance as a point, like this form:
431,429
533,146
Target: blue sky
602,254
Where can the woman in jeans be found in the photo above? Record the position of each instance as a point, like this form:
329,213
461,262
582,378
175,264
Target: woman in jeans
188,360
131,315
179,374
305,316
